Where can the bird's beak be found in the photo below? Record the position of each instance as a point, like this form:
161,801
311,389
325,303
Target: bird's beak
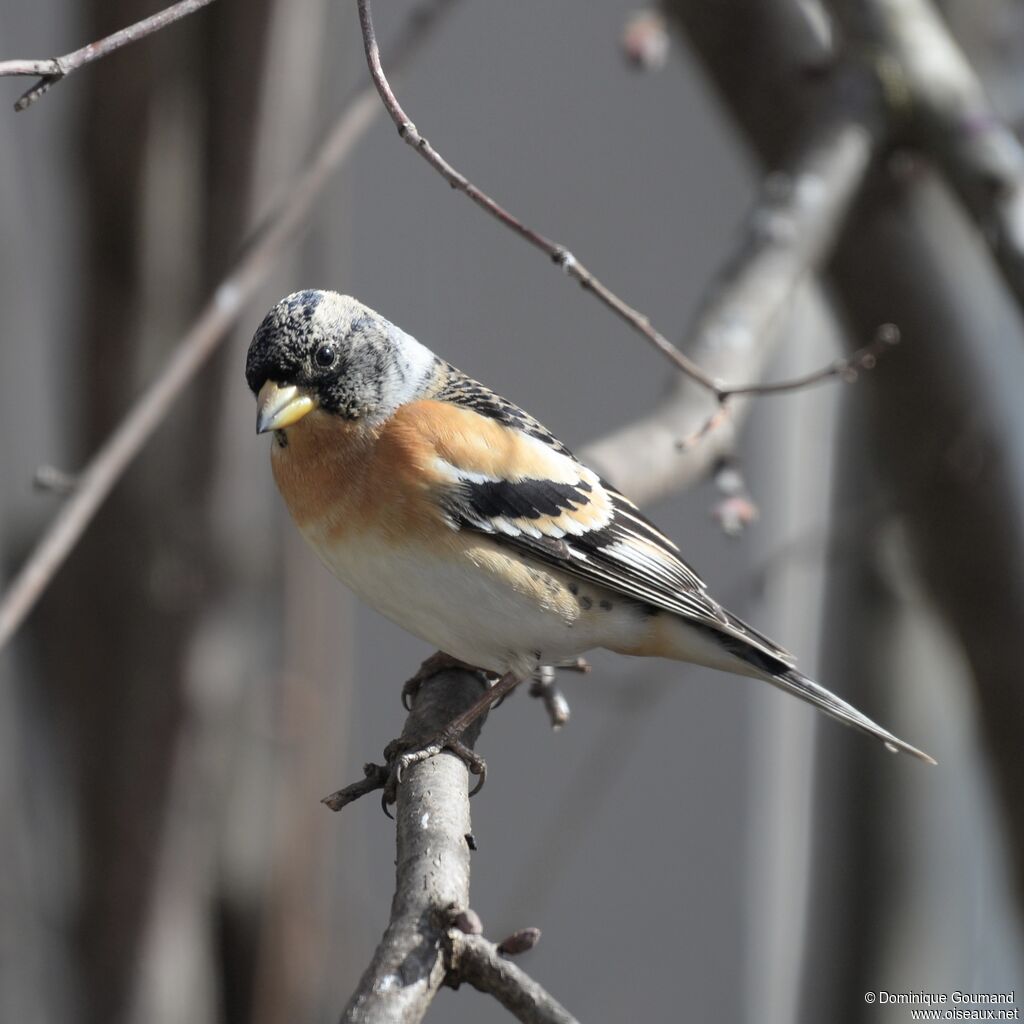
279,407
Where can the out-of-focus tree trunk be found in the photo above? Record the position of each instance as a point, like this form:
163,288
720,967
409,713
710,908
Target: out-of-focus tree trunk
940,428
789,470
127,603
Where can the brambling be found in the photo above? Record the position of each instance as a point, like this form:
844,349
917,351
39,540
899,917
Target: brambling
457,515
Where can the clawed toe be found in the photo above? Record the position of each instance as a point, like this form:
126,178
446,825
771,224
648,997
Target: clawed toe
400,757
473,761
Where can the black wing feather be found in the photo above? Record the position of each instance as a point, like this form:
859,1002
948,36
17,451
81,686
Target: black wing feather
608,556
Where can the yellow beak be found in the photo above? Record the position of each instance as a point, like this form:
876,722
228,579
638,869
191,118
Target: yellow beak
279,407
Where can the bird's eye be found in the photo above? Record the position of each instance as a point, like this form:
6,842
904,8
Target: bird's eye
324,356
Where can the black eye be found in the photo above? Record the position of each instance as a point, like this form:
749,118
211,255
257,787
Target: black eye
324,356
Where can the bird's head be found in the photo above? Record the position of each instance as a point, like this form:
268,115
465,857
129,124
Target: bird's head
322,350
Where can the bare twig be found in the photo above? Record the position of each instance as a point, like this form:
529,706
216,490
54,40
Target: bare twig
947,105
848,367
789,234
376,777
478,963
53,69
211,327
558,253
561,255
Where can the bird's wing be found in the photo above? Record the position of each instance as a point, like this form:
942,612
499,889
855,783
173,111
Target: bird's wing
499,472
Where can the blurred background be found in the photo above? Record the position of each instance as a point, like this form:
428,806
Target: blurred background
693,846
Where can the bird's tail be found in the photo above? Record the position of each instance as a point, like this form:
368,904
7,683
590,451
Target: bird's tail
835,707
733,646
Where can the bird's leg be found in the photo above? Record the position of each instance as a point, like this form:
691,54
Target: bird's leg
545,688
437,662
448,739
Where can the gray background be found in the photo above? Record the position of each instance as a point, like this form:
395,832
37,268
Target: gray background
663,842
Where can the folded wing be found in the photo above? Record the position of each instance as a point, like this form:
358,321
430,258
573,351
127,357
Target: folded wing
538,500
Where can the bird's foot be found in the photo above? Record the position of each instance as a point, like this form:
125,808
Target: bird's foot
401,755
435,664
545,688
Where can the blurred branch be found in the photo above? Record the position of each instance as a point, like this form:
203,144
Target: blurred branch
558,253
280,229
53,69
426,942
901,257
789,234
948,106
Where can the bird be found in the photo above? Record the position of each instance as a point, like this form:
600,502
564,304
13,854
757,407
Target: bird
461,518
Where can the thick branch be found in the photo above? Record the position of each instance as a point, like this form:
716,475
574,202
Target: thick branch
954,116
211,327
53,69
789,234
431,937
432,873
477,962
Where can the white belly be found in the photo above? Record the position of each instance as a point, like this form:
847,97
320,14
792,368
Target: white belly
483,605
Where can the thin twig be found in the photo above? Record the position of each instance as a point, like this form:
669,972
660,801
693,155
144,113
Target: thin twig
789,234
53,69
848,368
477,962
280,229
376,777
558,253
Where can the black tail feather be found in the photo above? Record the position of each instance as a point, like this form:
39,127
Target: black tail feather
806,689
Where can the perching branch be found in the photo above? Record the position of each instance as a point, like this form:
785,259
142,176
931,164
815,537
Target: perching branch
432,864
430,936
947,106
641,323
279,230
53,69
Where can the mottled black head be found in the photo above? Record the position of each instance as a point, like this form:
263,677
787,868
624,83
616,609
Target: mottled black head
338,354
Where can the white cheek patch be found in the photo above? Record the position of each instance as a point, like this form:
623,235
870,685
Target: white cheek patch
415,360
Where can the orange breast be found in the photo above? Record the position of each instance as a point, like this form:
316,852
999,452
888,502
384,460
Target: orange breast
343,479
